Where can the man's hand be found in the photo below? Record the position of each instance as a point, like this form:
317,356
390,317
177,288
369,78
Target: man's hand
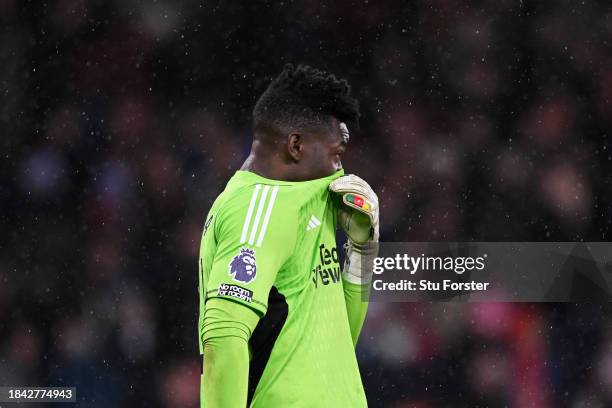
359,217
359,214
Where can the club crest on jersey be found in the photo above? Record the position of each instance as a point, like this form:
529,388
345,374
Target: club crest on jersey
243,267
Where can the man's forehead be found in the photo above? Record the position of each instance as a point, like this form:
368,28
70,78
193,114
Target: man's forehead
344,132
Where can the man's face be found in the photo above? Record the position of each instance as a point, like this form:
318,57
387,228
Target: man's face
323,150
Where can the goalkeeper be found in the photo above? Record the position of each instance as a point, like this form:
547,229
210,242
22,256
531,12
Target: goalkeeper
279,318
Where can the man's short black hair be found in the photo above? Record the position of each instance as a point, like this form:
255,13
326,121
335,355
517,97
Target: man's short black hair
304,97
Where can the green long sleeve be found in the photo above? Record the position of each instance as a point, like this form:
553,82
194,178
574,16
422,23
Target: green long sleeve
227,328
356,307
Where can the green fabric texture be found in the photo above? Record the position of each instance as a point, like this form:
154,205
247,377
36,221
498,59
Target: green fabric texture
356,307
227,329
262,234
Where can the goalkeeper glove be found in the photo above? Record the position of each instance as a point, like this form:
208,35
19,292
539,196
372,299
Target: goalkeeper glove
358,216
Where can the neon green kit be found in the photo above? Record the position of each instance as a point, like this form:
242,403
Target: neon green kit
271,245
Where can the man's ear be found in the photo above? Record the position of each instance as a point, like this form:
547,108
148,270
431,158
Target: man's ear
295,148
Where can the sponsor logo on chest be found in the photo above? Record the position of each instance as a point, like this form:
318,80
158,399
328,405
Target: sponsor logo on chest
328,268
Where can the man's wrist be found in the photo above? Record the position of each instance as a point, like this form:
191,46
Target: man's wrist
359,260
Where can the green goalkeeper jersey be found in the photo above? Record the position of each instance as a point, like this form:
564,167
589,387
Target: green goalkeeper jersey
270,245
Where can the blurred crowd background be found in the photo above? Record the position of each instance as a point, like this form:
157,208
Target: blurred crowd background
121,120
